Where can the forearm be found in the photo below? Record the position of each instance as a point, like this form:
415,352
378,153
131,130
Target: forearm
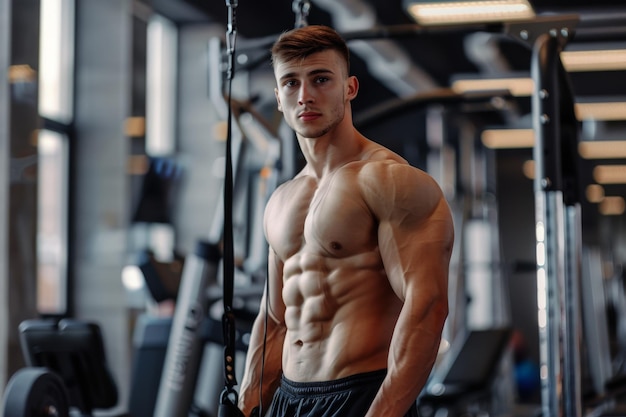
256,369
412,354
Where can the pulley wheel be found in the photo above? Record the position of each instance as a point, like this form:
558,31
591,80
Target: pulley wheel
35,392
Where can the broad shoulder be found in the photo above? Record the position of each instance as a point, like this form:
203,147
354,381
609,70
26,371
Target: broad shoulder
392,187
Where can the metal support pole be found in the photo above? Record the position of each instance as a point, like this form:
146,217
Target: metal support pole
558,233
574,243
549,223
184,350
5,186
550,280
573,273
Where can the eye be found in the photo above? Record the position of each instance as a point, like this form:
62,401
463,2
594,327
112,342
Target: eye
321,80
290,83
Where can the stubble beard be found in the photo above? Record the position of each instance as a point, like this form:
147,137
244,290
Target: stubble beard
338,115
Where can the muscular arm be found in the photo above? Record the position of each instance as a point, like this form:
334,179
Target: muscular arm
249,393
415,240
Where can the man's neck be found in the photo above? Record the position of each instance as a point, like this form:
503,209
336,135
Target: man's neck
331,151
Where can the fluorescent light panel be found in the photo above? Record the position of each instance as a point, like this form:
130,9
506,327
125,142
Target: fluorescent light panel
602,149
612,206
508,138
451,12
594,60
594,193
610,174
518,86
601,111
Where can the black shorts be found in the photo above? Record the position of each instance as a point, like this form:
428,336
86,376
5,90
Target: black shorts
345,397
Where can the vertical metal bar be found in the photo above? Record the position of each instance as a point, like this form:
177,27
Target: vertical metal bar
550,278
549,210
573,238
595,321
5,54
572,372
185,347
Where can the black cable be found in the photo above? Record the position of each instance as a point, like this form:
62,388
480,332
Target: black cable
228,317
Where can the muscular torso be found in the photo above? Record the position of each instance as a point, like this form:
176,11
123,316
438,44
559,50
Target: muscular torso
339,308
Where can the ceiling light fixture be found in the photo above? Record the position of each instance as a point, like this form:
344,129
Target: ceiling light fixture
508,138
602,149
610,174
594,193
444,12
601,111
517,86
612,206
594,60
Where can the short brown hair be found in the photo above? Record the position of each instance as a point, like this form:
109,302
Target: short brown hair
299,43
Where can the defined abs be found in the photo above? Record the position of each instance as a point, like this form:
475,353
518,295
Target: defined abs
310,308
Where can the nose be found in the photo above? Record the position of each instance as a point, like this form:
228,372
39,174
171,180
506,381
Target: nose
304,94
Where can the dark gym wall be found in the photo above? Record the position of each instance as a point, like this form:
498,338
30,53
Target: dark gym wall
516,214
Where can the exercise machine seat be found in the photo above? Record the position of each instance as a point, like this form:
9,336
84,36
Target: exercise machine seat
467,374
74,349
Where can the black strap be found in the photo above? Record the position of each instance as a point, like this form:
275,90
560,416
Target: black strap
229,395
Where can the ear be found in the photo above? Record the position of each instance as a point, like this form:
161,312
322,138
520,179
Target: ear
280,108
352,87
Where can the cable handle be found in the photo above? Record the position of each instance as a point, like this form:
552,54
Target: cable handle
231,36
301,8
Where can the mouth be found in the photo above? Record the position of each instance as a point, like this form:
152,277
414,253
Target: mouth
308,116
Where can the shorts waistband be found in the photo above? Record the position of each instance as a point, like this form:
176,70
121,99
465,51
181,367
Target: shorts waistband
329,387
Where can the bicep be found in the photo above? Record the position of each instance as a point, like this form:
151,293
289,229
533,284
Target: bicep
415,233
416,260
415,246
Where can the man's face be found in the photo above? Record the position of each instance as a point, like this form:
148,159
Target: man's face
313,93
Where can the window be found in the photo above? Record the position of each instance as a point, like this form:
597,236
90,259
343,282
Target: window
56,78
52,223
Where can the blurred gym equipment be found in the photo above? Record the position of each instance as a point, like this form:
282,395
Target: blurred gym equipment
67,371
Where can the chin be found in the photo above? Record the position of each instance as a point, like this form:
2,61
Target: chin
311,134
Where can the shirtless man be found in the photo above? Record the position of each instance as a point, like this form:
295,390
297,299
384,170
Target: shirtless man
360,245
